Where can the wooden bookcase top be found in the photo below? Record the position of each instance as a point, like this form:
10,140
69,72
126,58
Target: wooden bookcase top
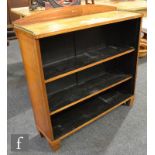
46,27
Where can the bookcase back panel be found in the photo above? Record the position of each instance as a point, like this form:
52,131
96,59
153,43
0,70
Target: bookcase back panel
120,65
57,48
117,34
89,40
61,84
121,34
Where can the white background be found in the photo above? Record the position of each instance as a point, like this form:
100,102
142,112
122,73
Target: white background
150,88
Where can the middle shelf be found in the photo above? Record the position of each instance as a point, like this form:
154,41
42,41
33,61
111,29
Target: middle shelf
85,90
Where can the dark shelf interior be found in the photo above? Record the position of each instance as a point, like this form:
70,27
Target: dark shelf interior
81,90
72,88
66,52
79,114
75,62
70,51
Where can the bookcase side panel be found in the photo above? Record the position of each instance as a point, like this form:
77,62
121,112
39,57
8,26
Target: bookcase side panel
133,37
138,27
30,52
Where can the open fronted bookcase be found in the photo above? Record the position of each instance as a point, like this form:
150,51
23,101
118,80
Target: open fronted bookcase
78,69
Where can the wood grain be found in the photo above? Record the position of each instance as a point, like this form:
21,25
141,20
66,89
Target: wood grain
30,51
51,28
61,13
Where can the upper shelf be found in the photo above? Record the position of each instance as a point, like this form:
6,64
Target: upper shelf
76,18
84,61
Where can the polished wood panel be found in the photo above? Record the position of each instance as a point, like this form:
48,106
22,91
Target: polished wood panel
30,51
59,13
50,28
121,5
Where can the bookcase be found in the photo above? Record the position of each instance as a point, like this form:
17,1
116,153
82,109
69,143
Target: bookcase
78,69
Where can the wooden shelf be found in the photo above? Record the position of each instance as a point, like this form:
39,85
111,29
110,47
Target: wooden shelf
86,111
78,63
83,91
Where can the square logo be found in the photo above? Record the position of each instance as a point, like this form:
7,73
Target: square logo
19,142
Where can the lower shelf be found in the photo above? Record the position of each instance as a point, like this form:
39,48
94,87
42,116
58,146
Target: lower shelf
68,120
